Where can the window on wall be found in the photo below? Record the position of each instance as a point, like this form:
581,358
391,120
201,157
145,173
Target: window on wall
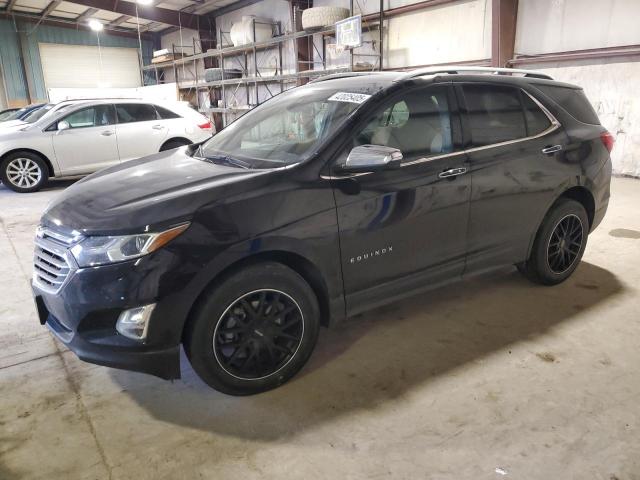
418,123
495,114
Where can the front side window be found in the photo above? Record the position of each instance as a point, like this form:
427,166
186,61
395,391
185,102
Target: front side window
495,114
97,116
135,112
418,123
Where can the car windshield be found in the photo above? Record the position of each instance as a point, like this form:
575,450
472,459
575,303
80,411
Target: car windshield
287,129
5,115
16,115
38,113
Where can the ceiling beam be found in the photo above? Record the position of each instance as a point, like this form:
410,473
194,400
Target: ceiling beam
50,8
69,23
155,14
86,14
10,5
119,21
232,7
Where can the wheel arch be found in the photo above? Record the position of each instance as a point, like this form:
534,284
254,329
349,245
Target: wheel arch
583,196
298,263
580,194
35,152
185,140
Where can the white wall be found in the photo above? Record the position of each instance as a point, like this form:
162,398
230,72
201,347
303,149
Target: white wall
546,26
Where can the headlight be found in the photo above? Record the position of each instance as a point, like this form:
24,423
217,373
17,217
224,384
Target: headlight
102,250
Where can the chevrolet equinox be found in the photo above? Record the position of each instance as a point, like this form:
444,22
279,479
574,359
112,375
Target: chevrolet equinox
329,199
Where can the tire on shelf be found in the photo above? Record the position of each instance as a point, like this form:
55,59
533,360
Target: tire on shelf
215,74
322,16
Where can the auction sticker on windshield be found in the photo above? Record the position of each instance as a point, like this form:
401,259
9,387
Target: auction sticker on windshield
349,97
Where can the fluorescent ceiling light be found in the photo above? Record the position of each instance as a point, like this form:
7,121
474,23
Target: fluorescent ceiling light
95,25
145,2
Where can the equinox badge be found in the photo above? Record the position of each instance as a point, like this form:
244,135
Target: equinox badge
373,253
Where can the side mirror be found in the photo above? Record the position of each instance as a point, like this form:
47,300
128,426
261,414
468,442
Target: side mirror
370,158
63,125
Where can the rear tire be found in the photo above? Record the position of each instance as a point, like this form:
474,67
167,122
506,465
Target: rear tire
24,172
171,144
253,331
559,244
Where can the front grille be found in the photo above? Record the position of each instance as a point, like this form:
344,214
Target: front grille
52,264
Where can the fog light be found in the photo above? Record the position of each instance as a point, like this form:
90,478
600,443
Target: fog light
134,323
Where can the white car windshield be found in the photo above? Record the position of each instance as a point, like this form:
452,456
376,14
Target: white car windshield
287,129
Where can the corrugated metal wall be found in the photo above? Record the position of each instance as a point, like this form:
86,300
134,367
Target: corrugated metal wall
10,33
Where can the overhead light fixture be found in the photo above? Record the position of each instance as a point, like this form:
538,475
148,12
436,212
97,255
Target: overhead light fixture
95,25
145,2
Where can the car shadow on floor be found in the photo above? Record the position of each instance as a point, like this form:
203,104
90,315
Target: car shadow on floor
376,357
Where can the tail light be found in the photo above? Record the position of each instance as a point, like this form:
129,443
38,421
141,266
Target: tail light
608,140
205,126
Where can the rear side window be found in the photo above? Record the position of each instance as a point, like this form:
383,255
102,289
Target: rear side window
135,112
574,101
537,120
495,114
165,113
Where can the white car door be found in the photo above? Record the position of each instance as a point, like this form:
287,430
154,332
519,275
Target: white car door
89,144
139,130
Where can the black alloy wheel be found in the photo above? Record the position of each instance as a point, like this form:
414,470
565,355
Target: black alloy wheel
559,243
258,334
565,244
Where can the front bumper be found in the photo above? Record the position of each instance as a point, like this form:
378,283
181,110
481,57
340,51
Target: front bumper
83,316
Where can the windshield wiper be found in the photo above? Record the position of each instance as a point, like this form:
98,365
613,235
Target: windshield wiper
225,160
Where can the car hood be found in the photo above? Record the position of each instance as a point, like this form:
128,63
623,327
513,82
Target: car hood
11,125
143,194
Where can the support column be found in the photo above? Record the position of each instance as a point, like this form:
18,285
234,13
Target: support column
503,31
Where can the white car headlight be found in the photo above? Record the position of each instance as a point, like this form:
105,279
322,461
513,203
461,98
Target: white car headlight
102,250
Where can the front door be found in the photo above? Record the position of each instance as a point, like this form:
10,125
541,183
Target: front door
404,230
89,144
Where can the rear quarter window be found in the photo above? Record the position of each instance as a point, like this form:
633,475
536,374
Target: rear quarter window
574,101
165,113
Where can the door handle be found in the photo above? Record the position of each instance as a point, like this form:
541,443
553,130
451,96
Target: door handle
107,133
553,149
157,127
453,172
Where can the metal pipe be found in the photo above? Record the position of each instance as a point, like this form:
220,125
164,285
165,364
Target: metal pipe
587,54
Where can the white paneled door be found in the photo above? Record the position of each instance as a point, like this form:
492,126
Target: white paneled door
79,66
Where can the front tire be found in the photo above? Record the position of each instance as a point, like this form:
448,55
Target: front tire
24,172
253,331
559,244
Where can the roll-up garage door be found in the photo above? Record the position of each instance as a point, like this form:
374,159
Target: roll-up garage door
78,66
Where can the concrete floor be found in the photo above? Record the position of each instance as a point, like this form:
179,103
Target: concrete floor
488,378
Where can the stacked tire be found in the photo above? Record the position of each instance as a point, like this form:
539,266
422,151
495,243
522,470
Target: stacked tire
318,17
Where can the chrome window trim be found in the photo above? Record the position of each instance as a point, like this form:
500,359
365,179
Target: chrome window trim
555,124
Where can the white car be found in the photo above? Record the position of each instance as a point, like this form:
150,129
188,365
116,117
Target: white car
81,137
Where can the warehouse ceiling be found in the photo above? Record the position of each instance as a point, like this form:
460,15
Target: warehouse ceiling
120,15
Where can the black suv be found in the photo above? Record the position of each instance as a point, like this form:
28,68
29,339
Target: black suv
327,200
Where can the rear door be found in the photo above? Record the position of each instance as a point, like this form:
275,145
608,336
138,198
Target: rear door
513,179
405,229
140,131
89,144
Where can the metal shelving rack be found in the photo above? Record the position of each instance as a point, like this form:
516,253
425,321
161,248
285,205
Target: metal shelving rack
245,55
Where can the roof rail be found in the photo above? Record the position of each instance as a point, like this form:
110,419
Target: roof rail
453,69
333,76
